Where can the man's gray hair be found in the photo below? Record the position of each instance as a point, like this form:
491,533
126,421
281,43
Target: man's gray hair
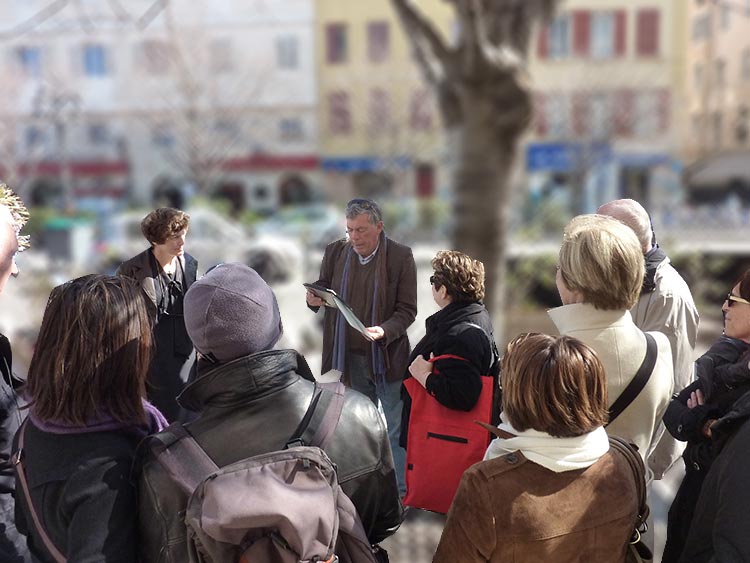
359,206
633,214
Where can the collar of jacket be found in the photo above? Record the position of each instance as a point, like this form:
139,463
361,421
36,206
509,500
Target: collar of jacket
243,379
654,258
577,316
453,313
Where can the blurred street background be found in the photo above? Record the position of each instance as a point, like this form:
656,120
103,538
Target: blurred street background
261,118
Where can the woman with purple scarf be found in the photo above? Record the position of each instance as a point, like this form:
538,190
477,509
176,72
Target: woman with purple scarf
86,386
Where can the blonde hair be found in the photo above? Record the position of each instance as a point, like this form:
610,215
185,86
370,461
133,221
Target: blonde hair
601,258
553,384
460,274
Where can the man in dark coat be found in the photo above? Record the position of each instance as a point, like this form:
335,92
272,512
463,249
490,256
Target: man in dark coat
377,278
13,216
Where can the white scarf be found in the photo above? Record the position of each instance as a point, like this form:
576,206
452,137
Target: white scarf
556,454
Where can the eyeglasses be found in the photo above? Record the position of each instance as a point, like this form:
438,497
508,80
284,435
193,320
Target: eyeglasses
731,299
434,280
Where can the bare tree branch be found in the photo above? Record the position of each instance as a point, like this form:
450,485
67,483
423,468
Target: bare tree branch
414,21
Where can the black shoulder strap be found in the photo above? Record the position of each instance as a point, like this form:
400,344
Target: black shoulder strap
638,382
319,422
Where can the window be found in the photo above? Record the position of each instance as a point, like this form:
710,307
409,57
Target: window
34,136
741,126
601,115
379,111
725,16
717,130
377,41
336,44
557,112
559,37
95,60
602,35
698,77
420,110
155,56
98,134
701,27
287,52
221,57
30,60
163,136
339,113
227,129
745,69
646,114
720,73
647,33
291,129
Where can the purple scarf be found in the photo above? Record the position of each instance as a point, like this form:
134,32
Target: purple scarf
106,423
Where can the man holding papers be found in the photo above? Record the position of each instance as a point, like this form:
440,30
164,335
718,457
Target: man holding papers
377,278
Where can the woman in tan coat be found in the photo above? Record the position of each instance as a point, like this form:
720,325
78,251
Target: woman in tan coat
550,488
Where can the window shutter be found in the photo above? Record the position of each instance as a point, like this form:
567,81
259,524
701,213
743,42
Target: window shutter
581,33
541,126
624,106
543,42
620,32
664,109
647,38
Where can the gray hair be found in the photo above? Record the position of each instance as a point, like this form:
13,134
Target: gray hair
359,206
632,214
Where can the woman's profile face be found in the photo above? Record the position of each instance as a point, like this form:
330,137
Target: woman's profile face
173,246
736,316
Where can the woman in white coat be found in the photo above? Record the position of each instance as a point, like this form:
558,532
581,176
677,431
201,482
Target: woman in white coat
599,277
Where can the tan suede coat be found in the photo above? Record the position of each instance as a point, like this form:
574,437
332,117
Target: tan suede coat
510,509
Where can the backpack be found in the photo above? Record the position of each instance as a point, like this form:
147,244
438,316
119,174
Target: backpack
283,506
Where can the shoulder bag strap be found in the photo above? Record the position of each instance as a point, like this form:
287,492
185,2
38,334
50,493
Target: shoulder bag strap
319,422
635,461
186,462
21,476
638,382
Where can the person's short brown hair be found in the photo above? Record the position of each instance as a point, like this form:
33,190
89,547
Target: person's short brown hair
93,352
164,223
602,258
461,275
553,384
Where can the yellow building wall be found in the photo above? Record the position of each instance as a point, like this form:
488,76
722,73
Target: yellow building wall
398,75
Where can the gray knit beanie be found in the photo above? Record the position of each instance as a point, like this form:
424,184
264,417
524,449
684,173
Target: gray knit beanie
231,312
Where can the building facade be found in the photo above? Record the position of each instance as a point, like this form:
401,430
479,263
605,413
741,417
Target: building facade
380,132
609,79
121,101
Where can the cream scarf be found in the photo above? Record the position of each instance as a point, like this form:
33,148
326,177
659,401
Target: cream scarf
556,454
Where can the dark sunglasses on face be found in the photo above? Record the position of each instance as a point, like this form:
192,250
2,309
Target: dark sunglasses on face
732,299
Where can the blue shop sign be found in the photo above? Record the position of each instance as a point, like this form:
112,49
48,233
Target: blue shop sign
363,164
552,157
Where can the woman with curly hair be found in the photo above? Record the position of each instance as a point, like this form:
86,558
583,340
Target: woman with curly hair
456,351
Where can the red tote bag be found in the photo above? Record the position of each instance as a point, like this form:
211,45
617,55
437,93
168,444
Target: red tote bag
442,444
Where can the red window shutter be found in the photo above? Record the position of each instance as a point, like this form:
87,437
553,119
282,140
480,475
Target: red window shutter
580,114
647,33
542,45
664,109
620,32
541,126
581,32
624,106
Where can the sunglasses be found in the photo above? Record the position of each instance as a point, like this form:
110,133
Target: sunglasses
433,280
731,299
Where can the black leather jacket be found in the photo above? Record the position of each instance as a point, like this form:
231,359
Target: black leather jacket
251,406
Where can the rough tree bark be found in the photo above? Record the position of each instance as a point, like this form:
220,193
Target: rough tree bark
485,104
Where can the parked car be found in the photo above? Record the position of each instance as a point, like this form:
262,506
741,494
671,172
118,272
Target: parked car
313,225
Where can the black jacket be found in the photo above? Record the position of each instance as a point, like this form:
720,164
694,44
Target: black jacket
81,489
719,530
251,406
455,330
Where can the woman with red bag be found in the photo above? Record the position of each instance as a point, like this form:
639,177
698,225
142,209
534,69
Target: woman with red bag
450,384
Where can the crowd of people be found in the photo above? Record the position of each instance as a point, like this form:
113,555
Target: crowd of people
161,422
